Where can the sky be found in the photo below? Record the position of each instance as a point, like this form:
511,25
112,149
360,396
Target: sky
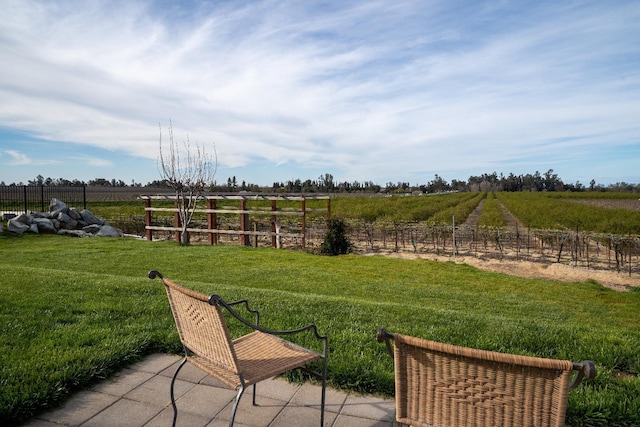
380,91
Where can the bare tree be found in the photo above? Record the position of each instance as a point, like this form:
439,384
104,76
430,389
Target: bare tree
188,173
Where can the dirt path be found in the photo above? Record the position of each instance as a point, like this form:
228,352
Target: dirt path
473,218
512,221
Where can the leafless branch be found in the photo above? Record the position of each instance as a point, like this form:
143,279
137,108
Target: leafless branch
188,173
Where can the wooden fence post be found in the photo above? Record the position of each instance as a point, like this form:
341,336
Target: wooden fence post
147,218
212,221
244,224
274,218
304,222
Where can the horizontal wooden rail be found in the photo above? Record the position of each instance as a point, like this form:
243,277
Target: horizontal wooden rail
241,197
234,211
218,231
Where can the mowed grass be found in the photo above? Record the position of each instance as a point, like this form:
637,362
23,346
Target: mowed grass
73,311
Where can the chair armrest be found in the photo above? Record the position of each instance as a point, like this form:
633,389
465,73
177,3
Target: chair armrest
246,306
217,300
155,273
385,336
585,369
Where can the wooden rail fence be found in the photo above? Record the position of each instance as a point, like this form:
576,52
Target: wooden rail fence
243,211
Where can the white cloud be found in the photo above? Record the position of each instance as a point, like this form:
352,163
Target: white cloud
372,89
18,158
94,161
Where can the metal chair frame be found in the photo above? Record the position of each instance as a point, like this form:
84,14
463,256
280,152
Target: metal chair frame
233,366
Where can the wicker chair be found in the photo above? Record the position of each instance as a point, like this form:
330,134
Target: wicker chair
238,363
445,385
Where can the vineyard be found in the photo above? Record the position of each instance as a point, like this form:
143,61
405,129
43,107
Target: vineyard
589,230
514,226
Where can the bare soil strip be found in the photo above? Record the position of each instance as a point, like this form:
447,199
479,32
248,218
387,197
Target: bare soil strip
532,270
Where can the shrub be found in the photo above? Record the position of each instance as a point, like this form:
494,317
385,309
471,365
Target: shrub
335,240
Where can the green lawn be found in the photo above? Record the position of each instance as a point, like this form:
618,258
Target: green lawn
72,311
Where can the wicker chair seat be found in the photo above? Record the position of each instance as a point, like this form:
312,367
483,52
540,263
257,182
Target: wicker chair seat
262,356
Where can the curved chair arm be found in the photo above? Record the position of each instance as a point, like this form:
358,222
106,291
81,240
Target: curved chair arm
586,369
217,300
385,336
246,306
155,273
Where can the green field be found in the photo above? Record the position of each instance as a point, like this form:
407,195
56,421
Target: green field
563,212
73,311
491,215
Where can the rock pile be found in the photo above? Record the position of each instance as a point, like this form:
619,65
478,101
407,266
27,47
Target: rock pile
62,219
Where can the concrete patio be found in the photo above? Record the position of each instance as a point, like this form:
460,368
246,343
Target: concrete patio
139,396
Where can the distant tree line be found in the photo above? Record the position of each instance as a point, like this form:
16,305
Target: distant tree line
548,181
61,182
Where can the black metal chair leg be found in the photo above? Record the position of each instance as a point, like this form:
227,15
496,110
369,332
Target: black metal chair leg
324,391
254,396
235,405
173,400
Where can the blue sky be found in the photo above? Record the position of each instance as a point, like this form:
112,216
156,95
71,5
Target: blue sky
364,90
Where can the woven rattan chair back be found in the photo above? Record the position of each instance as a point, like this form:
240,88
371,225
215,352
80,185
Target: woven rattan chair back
201,326
446,385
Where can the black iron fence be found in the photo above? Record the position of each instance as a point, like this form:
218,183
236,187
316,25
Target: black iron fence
36,198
